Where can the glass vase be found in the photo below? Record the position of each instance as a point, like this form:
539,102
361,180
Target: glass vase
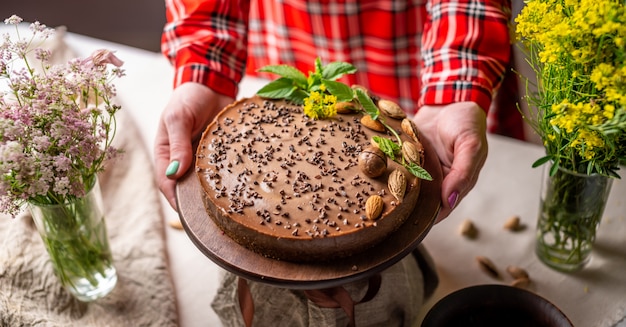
75,237
571,208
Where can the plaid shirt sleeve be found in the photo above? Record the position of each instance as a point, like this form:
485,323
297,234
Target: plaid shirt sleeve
465,51
465,44
206,42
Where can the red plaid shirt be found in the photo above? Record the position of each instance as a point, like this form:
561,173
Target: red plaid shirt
420,52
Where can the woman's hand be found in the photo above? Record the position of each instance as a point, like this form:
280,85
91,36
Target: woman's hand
191,107
457,132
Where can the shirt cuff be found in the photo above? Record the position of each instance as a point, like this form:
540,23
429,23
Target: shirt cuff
442,93
201,74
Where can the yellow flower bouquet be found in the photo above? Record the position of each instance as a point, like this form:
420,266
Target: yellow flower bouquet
577,48
578,108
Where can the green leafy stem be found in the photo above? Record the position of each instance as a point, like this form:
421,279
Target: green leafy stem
295,86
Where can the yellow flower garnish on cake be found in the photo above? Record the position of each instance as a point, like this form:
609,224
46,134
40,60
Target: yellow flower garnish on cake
319,105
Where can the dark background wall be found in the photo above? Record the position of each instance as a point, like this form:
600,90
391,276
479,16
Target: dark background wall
132,22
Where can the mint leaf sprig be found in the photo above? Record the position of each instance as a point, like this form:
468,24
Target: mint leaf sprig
295,86
389,147
393,150
417,171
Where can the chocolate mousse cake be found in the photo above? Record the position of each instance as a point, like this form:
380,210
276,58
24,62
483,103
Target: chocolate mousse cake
295,188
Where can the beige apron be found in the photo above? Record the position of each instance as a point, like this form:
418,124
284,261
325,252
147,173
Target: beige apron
391,298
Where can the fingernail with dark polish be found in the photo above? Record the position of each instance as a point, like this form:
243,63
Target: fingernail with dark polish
452,199
172,168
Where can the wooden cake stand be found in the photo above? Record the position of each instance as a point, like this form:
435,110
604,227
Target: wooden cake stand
228,254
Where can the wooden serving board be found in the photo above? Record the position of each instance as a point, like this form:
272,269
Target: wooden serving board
228,254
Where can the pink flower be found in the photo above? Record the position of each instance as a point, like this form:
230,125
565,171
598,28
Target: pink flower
56,126
13,20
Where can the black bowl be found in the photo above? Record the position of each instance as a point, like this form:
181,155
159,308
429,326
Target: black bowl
494,305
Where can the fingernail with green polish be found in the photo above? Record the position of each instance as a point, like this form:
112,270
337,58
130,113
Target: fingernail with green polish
172,168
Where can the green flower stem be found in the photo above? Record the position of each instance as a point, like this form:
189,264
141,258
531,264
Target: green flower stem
393,131
571,211
75,237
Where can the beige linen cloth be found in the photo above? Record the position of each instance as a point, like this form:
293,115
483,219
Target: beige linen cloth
30,293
